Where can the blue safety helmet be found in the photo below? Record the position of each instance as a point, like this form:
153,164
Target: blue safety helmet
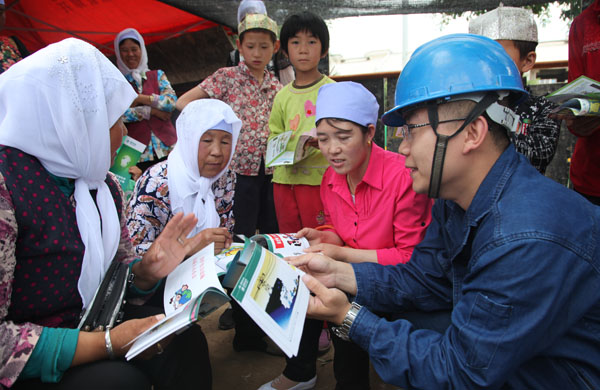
450,66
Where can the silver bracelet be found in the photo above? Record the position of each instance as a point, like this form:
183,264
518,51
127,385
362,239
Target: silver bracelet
154,100
108,345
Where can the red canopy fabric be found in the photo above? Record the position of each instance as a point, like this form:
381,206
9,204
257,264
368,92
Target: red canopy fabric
38,23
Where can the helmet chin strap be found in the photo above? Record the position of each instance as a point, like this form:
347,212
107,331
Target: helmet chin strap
441,143
439,154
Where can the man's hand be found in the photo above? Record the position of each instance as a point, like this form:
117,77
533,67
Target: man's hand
318,265
330,272
328,304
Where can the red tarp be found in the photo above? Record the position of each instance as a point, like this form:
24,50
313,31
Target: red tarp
40,22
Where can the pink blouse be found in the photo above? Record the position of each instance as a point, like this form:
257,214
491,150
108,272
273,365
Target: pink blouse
388,215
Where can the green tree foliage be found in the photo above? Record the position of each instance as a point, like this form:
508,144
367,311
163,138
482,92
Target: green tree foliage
570,9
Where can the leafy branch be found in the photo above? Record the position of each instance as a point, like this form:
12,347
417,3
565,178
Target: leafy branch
570,9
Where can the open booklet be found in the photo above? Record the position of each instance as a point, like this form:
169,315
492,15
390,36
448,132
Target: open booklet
273,294
226,257
281,244
580,97
192,292
277,153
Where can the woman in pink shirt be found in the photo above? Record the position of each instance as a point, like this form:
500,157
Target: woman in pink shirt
371,212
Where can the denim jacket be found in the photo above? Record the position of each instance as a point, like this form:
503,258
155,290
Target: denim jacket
520,271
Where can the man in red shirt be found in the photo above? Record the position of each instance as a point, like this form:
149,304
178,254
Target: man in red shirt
584,55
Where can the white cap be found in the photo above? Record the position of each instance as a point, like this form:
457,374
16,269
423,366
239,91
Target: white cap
348,101
510,23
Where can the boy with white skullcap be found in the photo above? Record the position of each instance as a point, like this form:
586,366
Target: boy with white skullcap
515,29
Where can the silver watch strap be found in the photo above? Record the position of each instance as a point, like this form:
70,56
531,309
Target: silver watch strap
343,331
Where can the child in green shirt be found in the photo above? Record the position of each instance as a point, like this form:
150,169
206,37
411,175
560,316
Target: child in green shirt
305,39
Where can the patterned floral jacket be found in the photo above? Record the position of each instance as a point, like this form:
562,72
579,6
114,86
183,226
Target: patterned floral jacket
252,102
149,208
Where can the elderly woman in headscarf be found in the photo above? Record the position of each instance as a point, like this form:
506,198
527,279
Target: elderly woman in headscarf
207,131
12,50
61,225
148,120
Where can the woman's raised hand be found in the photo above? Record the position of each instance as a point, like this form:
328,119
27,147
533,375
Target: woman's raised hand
167,251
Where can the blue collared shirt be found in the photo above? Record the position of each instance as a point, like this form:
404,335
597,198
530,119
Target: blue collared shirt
520,270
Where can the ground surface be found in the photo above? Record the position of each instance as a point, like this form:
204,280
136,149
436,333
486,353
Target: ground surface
249,370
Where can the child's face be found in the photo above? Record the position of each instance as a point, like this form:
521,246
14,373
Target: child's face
524,64
257,49
304,51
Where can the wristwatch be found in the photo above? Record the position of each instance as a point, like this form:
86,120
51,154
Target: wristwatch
343,331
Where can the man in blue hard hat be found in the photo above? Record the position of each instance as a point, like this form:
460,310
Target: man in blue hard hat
514,256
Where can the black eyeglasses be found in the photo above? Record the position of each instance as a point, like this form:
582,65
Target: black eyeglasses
405,131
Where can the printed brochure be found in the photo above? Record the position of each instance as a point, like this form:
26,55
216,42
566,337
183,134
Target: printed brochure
192,292
273,294
281,244
581,97
278,153
127,156
269,289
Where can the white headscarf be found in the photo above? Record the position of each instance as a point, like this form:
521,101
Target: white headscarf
58,105
142,68
188,191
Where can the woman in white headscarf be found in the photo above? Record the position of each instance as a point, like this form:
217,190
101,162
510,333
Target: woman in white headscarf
60,220
148,120
207,130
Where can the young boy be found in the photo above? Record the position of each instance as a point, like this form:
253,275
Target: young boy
280,65
249,89
516,30
305,40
